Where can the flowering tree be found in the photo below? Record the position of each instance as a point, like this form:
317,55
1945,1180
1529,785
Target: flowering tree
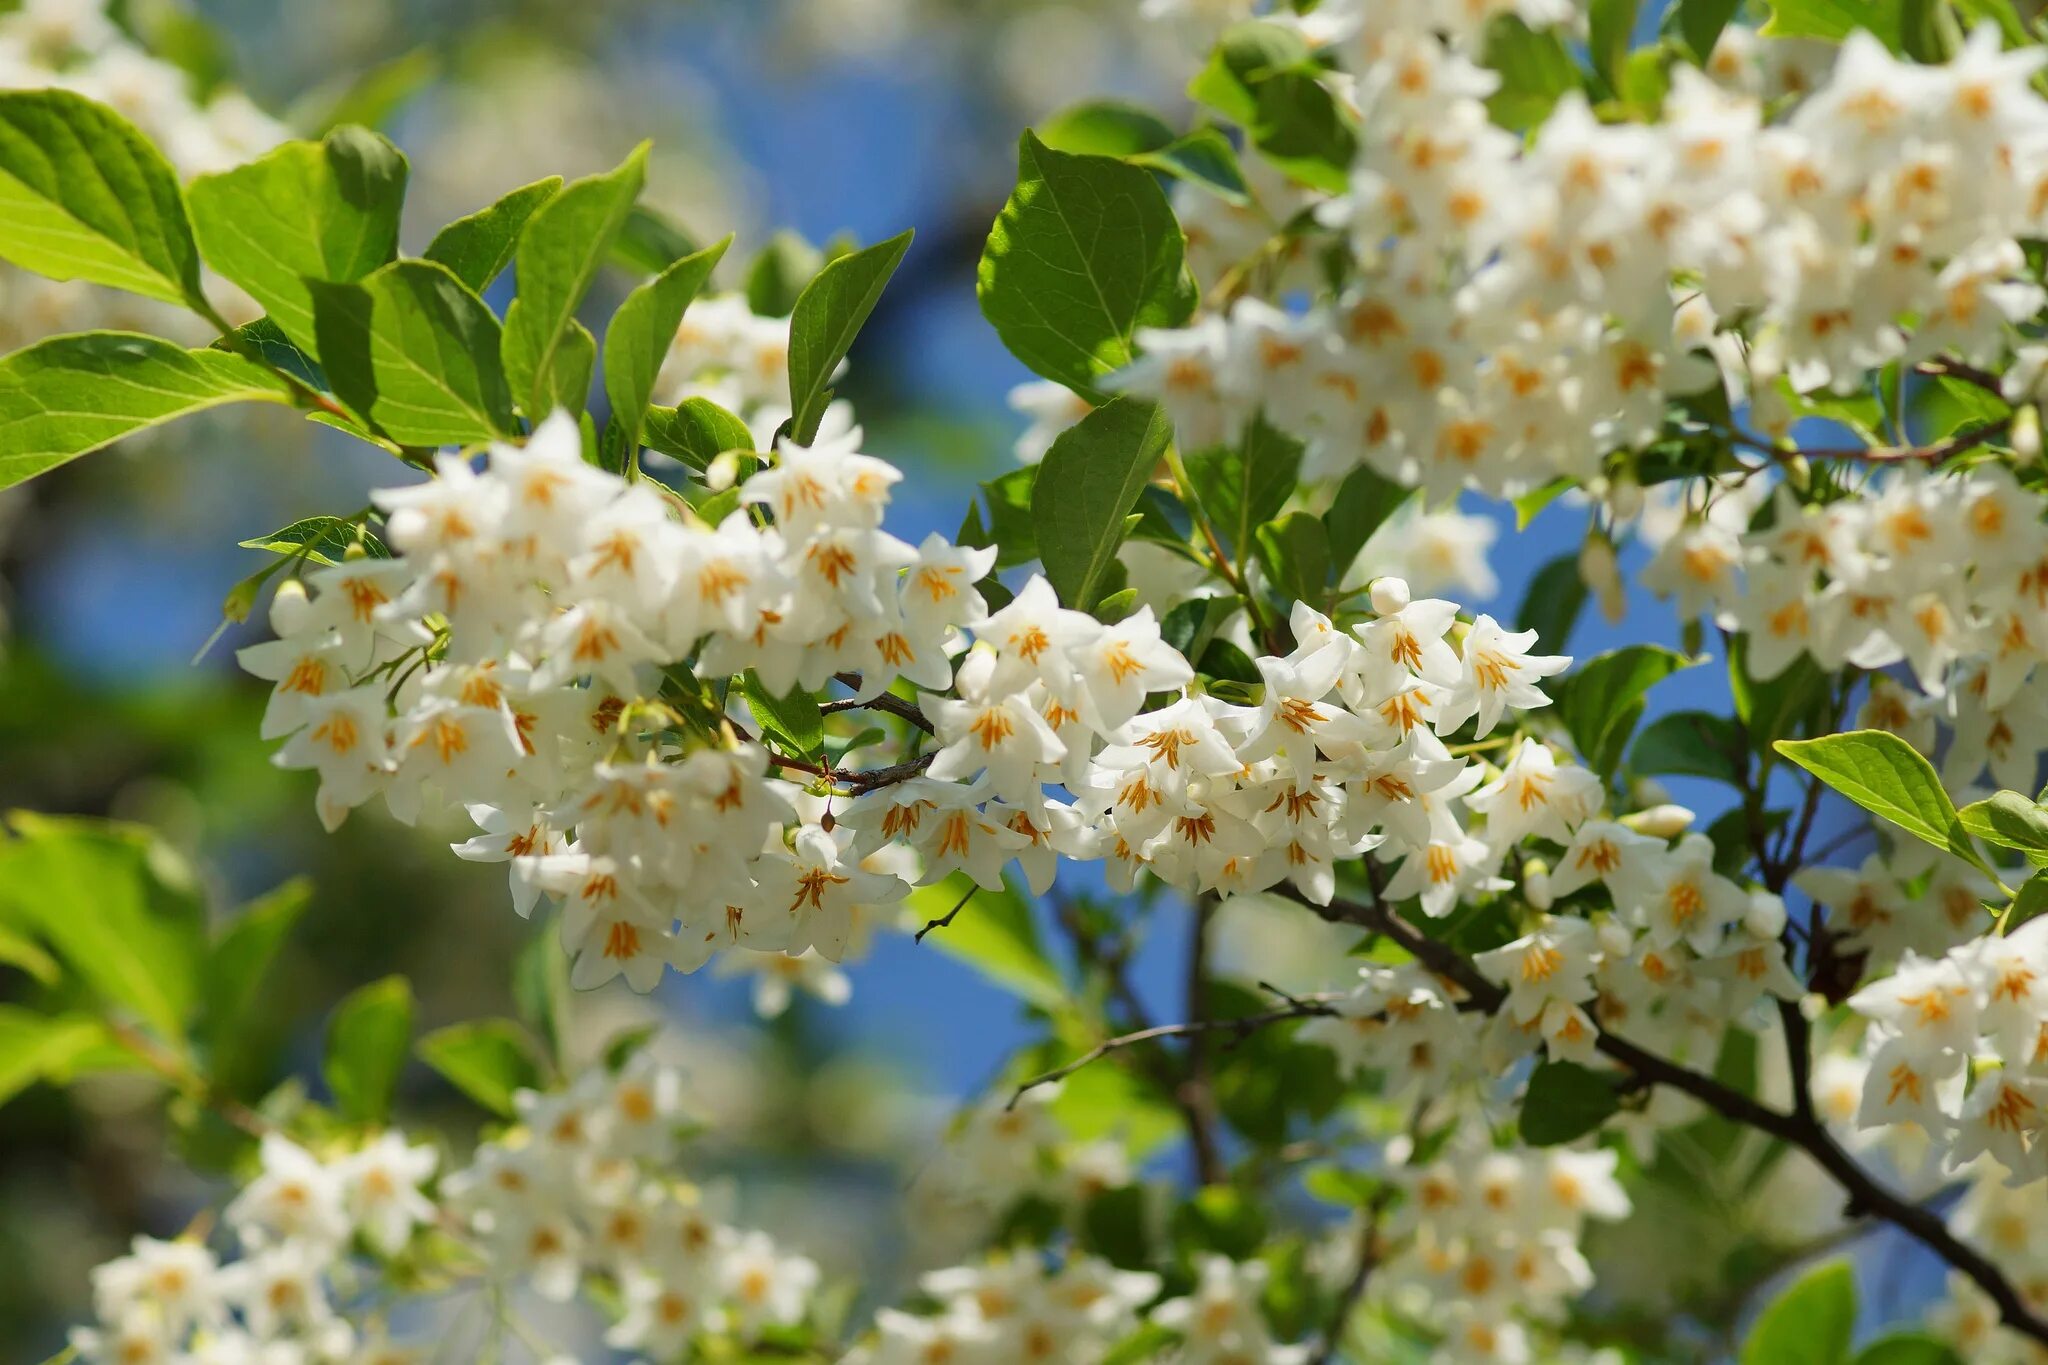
1758,301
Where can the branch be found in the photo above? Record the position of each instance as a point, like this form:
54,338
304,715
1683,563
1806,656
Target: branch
1933,454
887,701
1801,1129
1240,1028
945,921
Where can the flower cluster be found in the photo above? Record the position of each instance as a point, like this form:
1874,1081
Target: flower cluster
298,1225
2004,1223
536,649
1958,1045
1490,1242
77,45
727,353
1524,293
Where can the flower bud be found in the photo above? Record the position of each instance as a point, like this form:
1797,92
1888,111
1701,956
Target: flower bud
290,608
723,469
1765,917
1648,791
1625,500
1660,822
1600,571
1389,595
2026,434
1615,938
1536,884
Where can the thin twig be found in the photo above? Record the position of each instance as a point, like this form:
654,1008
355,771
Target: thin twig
945,920
1240,1028
887,701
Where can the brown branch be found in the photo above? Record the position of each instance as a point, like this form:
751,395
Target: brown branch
945,920
179,1074
1239,1028
1197,1093
1801,1128
887,701
1933,454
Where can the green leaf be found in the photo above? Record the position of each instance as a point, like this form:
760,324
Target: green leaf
1810,1323
1536,70
638,337
1105,128
1204,158
40,1047
1701,22
779,273
1832,20
1239,487
323,540
1690,744
1364,501
477,248
822,326
71,395
2029,901
264,341
1908,1348
1085,252
414,352
23,953
306,211
1087,485
1795,699
1295,552
559,255
1114,1226
1263,77
2008,820
695,431
1883,774
115,906
232,979
486,1059
367,1039
1009,528
793,719
568,385
1551,606
1610,26
84,196
1536,499
1565,1101
1604,697
995,934
650,241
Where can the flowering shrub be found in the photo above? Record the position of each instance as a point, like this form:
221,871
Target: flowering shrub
1759,302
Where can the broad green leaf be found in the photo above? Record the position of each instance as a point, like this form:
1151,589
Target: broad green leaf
1551,606
822,326
1363,503
84,196
559,254
2008,820
477,248
540,985
568,387
1610,26
41,1047
1689,744
2029,901
1565,1101
1009,526
367,1040
319,211
1086,486
637,340
322,540
1222,1220
793,719
1264,78
488,1060
1105,128
1238,487
1536,70
71,395
1908,1348
695,431
1295,553
994,934
371,97
1883,774
233,976
265,342
1531,503
1701,22
1795,699
411,350
1085,252
1603,699
1810,1323
1115,1227
779,272
1204,158
1833,20
115,906
650,241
